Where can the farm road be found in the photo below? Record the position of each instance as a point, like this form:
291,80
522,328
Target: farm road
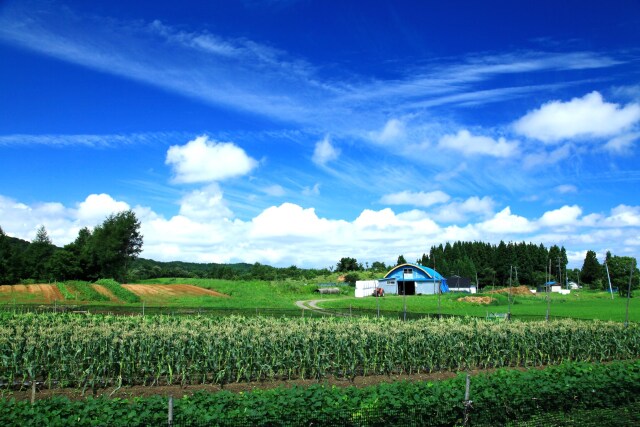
312,305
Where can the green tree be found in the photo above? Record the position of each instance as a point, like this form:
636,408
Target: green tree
378,266
115,243
620,271
6,254
591,272
63,265
347,264
401,260
37,255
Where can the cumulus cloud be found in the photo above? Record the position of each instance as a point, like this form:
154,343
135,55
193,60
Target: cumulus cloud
290,219
586,117
205,204
96,207
419,198
202,160
325,152
504,223
566,215
469,145
204,230
458,211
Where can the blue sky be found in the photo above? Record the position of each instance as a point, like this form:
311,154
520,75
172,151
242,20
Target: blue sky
298,132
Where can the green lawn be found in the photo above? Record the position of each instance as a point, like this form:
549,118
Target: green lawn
248,294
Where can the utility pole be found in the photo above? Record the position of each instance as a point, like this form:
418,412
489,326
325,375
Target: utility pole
608,278
509,313
626,318
547,290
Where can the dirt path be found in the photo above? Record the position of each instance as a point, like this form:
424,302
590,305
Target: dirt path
313,305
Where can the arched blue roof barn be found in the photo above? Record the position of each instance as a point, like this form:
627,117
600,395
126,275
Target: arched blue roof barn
413,279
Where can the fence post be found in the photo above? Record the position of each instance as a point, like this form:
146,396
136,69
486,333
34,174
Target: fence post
170,411
33,391
467,402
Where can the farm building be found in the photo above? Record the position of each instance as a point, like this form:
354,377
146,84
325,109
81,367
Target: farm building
410,278
461,284
413,279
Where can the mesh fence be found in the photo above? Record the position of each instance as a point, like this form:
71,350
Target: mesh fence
627,415
247,312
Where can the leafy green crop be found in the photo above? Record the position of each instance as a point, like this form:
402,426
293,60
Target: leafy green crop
84,291
500,398
120,292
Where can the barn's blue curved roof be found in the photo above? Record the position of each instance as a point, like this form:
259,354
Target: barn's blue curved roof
424,273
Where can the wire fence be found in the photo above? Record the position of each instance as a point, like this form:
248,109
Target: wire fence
251,312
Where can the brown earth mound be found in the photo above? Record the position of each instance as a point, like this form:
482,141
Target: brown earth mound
518,290
172,290
476,300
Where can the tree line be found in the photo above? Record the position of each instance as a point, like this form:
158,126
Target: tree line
515,263
111,250
104,252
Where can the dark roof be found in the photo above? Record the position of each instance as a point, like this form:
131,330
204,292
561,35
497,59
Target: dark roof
458,282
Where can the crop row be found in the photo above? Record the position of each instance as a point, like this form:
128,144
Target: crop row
584,394
68,349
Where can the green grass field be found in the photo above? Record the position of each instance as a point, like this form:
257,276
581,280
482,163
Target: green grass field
246,296
579,304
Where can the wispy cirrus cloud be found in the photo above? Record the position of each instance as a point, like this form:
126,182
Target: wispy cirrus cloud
255,77
88,140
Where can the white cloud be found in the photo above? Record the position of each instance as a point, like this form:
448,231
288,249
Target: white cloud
96,207
566,215
469,145
586,117
505,223
622,144
205,204
459,211
566,188
544,158
419,198
325,152
204,231
624,216
274,190
289,219
392,131
312,191
202,160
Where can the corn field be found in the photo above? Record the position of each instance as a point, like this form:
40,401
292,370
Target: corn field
72,350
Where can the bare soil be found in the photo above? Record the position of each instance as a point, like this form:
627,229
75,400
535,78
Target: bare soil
518,290
179,390
106,292
45,293
172,290
476,300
